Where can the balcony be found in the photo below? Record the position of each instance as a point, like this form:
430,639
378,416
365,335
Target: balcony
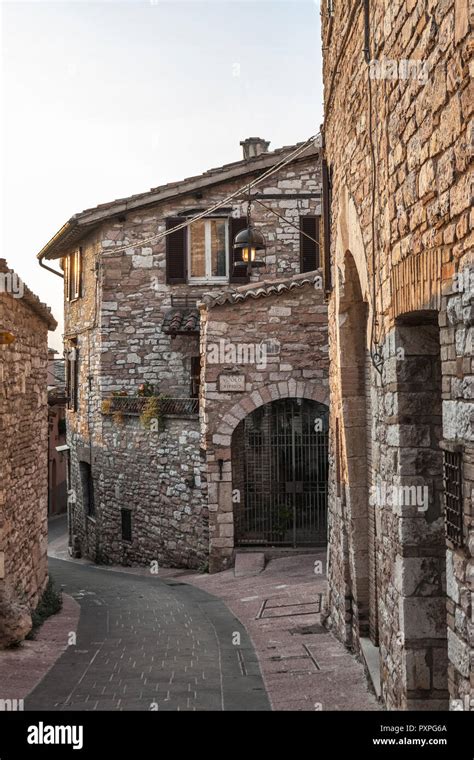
134,406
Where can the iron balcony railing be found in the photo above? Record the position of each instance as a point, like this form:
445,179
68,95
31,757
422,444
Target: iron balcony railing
134,406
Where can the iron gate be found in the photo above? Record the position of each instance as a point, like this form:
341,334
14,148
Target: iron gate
283,464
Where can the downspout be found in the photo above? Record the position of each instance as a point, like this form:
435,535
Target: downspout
45,266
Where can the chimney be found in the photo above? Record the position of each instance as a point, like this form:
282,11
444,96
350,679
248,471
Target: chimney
254,146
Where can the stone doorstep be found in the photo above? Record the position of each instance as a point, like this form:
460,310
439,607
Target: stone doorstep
248,563
371,655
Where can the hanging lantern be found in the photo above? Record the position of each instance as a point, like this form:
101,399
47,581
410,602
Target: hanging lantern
250,241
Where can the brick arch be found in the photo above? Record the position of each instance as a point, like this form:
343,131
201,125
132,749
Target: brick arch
274,392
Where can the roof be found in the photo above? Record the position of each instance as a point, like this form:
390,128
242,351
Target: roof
261,289
84,222
181,321
38,307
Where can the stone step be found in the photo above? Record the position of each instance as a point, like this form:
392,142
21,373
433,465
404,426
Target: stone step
249,563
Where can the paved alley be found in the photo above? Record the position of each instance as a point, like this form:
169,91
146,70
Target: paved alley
145,643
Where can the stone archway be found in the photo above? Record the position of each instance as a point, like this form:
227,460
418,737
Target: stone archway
354,388
219,462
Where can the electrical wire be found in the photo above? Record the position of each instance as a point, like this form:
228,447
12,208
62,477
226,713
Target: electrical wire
248,186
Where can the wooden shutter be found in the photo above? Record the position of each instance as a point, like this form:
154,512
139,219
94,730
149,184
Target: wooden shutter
236,274
176,253
327,226
309,251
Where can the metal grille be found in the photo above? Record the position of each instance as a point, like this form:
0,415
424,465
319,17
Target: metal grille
284,475
135,405
453,496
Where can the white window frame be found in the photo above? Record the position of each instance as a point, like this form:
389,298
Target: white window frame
208,257
73,284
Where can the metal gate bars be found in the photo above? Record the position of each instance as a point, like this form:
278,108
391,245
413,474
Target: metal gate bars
280,457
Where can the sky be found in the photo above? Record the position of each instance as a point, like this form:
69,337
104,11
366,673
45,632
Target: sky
100,100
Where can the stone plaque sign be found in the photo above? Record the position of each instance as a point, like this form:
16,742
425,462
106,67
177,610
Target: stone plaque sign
231,383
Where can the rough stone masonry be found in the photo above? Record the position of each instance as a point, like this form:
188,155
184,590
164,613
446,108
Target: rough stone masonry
398,149
23,454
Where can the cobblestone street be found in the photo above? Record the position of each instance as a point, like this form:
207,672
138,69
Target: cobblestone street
145,643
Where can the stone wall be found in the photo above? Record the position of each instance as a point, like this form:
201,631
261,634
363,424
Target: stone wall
292,326
397,132
154,474
23,458
117,325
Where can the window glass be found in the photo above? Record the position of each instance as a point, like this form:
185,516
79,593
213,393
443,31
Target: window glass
218,248
198,249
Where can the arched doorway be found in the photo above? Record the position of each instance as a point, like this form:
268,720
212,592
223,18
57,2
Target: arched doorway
280,465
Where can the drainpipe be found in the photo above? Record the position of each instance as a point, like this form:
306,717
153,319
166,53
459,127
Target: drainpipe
42,264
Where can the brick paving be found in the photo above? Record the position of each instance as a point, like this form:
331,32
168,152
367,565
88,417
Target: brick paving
304,667
147,643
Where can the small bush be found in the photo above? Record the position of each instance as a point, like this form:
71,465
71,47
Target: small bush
49,604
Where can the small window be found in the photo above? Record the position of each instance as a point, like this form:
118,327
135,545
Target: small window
87,485
309,243
73,270
195,376
126,524
72,376
208,250
453,496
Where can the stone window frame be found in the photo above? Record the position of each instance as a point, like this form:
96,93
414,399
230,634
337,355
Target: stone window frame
209,278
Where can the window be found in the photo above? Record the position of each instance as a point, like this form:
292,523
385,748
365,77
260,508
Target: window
87,485
126,524
195,376
453,496
208,250
72,376
73,271
309,250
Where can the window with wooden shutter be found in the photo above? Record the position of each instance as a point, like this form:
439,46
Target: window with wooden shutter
236,274
207,254
176,253
309,250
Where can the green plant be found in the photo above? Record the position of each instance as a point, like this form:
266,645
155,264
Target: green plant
281,520
152,415
49,604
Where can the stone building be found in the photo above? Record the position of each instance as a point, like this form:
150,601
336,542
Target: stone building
397,177
24,325
148,446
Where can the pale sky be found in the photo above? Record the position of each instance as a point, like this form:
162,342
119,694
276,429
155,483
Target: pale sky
101,100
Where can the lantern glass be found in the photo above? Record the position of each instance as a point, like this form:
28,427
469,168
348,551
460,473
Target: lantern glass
249,254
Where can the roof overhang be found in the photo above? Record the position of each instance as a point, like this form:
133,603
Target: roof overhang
81,224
